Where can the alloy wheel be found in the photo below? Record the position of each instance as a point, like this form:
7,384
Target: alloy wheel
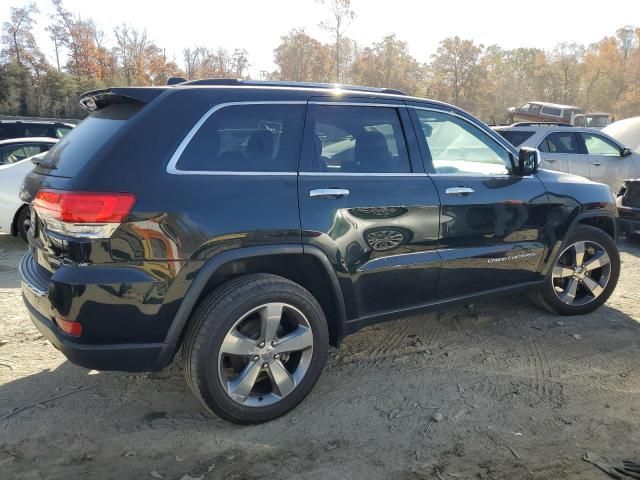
265,355
581,273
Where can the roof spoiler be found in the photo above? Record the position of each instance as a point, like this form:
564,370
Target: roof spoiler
98,99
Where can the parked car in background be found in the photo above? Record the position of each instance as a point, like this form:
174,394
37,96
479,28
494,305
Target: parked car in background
597,120
15,154
581,151
626,132
33,128
275,218
542,112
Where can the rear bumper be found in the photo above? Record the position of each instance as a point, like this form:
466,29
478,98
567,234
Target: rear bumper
128,357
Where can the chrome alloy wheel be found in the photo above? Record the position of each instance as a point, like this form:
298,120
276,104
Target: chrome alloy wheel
265,355
581,273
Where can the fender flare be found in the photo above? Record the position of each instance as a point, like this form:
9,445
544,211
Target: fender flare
559,247
189,301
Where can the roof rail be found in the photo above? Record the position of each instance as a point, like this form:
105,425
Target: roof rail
273,83
541,124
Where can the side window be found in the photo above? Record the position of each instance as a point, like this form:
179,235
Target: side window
516,137
247,138
457,146
352,139
561,142
554,112
597,145
535,109
13,154
36,131
525,107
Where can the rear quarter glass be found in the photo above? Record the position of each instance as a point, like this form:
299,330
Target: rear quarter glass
78,146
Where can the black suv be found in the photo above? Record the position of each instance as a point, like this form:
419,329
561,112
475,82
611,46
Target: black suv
33,128
250,225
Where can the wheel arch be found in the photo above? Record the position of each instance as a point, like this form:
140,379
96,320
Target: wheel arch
308,267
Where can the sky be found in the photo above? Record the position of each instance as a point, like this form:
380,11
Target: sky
257,25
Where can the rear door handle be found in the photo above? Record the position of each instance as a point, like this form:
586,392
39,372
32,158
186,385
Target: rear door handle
550,160
329,192
460,191
597,164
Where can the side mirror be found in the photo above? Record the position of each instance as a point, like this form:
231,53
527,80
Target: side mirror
625,152
528,161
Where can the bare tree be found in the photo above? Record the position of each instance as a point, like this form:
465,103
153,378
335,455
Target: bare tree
17,36
340,17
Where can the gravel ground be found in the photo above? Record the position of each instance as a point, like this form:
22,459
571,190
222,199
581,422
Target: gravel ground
495,390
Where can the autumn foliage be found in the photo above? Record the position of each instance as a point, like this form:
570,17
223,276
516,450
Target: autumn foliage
602,76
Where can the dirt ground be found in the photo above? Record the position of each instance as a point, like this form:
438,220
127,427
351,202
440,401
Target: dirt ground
522,394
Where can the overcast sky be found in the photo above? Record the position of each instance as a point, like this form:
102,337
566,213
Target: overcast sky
257,25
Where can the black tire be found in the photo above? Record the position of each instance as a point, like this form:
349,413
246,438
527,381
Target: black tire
546,296
23,222
216,315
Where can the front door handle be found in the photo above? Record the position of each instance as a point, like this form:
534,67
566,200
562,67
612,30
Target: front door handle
328,193
597,164
550,160
459,191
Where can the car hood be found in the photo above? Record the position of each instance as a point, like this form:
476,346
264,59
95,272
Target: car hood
626,131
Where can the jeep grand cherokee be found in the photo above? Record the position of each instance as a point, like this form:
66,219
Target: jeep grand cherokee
250,225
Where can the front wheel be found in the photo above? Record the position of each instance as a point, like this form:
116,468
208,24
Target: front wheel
255,348
585,273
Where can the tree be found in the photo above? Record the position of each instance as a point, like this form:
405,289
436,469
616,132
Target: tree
18,41
388,63
457,70
302,58
340,17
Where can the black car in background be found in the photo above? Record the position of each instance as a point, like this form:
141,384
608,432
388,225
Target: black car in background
249,225
33,128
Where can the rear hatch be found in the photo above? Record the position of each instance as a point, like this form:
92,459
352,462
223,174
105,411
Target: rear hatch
53,242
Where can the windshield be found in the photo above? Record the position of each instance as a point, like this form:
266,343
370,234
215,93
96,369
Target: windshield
597,120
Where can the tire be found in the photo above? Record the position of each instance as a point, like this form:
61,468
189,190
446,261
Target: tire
556,293
237,309
23,222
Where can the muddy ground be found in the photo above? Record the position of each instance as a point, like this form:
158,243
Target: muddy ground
522,394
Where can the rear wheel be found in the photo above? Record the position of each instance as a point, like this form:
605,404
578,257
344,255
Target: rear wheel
584,275
23,222
255,348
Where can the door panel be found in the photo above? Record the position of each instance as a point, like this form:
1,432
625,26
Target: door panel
491,222
605,163
561,151
376,224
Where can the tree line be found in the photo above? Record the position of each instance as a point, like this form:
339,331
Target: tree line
485,80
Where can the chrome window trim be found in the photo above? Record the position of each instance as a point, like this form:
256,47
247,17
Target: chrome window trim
173,161
363,174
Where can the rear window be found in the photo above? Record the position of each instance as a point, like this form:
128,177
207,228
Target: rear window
70,154
516,138
247,138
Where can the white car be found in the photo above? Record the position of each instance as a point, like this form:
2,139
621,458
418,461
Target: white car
626,131
585,152
15,155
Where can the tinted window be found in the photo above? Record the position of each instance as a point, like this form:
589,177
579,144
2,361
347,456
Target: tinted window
62,131
597,145
525,107
560,142
79,145
534,108
17,153
457,146
359,139
551,111
516,138
6,131
247,138
36,130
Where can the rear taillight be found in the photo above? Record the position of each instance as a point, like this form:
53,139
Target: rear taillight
69,327
83,214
